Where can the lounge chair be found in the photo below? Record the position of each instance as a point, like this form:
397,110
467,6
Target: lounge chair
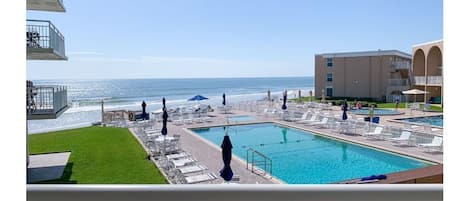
177,156
182,162
313,118
378,131
436,143
199,178
405,137
320,124
192,169
303,117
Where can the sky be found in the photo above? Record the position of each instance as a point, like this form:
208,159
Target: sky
211,38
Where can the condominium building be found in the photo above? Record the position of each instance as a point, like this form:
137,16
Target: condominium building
44,42
381,75
427,65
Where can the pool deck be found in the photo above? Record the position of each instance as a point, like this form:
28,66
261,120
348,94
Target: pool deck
209,154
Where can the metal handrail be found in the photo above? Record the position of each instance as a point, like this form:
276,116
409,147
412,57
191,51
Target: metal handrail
267,162
43,34
42,99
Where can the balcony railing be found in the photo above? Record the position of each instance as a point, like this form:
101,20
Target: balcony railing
400,64
431,80
434,80
398,82
43,37
46,101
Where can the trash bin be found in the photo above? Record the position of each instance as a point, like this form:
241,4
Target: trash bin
367,118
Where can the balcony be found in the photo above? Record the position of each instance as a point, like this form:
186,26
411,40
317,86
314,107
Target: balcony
405,65
45,101
44,41
431,80
45,5
398,82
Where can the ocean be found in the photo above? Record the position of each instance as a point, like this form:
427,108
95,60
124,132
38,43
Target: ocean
85,96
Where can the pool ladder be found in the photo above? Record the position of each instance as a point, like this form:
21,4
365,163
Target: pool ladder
255,159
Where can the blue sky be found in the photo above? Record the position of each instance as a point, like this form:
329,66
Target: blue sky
210,38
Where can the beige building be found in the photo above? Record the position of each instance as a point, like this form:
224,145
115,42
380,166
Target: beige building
427,65
381,75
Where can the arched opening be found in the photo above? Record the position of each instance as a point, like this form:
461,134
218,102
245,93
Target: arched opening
434,62
418,63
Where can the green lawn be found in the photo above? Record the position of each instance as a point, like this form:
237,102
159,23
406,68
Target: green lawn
99,155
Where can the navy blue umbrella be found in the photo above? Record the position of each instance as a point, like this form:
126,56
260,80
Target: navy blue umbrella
224,101
344,108
226,173
284,106
164,130
197,98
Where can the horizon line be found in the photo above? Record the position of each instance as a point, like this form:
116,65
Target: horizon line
171,78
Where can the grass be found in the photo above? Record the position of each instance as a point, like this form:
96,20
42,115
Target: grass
99,155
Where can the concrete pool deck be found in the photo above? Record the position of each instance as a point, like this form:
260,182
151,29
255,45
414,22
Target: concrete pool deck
209,154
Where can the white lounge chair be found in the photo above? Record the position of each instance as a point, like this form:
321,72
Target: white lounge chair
303,117
376,133
182,162
320,124
405,137
313,118
436,143
199,178
192,169
176,156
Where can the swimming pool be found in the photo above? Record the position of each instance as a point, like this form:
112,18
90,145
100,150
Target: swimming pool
432,120
299,157
242,118
377,112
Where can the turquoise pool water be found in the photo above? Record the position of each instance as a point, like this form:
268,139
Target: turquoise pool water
432,120
242,118
377,112
299,157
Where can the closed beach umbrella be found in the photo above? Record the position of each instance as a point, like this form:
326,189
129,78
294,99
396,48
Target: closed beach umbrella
144,105
268,95
164,130
299,95
284,106
311,95
224,101
226,173
344,107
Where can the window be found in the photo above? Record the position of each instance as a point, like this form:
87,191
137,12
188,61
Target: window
329,77
329,91
329,62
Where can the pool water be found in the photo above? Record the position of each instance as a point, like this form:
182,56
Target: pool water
242,118
299,157
377,112
432,120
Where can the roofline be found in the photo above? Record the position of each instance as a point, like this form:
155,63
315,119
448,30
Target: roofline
367,53
427,43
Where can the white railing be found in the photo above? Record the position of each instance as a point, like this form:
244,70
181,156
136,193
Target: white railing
45,99
435,80
419,80
431,80
43,34
398,82
401,64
